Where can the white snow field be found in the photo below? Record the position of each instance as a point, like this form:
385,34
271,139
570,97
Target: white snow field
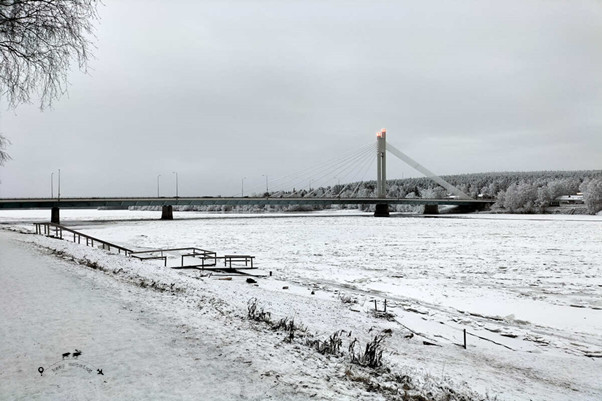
528,292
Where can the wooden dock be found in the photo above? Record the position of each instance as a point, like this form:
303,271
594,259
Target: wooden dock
203,258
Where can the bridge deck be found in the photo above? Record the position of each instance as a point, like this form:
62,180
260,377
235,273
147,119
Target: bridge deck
71,203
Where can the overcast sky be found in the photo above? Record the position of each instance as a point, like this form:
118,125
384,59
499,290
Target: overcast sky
220,90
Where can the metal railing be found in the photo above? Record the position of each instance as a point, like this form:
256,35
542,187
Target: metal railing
208,258
192,252
48,228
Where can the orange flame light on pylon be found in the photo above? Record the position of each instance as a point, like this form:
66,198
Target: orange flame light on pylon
381,133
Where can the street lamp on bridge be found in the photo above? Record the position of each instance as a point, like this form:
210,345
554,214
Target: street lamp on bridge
51,185
266,183
242,186
159,176
176,183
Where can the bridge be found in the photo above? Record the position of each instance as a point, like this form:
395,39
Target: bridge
381,200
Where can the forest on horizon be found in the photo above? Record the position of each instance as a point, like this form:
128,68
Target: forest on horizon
514,192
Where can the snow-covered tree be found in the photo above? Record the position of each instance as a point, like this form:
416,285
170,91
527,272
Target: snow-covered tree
543,198
520,198
428,193
501,198
592,195
4,157
557,188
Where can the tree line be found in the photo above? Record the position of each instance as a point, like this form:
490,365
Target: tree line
514,192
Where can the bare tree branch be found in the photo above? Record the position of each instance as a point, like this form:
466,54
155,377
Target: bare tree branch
4,157
39,39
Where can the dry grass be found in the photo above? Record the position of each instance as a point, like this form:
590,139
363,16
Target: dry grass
331,346
373,353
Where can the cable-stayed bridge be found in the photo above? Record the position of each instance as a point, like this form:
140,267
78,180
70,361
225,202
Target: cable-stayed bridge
283,193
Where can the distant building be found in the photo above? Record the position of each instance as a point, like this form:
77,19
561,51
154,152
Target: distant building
567,200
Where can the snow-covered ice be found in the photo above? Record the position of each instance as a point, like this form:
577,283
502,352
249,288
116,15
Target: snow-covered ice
527,290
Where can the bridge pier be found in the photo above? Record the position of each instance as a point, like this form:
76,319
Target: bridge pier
431,209
167,212
470,208
382,210
55,215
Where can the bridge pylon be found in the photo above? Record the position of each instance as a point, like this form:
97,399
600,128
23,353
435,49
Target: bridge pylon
382,209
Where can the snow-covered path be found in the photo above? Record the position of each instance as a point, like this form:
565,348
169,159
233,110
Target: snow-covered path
47,308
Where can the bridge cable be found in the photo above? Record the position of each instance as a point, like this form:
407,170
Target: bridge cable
343,166
335,168
361,182
310,169
350,172
350,175
317,174
428,173
364,167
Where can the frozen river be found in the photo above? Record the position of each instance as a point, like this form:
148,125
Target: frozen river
546,270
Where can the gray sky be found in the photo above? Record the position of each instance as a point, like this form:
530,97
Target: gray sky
220,90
